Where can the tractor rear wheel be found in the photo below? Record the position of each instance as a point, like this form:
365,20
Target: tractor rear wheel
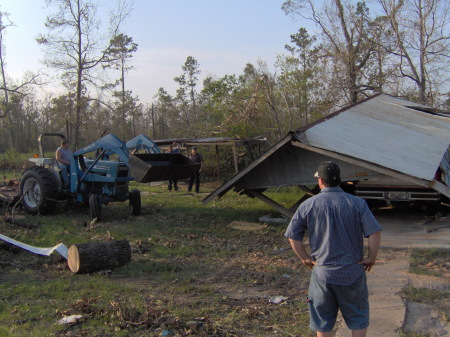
135,202
95,208
38,190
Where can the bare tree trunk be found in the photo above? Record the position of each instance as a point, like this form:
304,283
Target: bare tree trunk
5,90
422,44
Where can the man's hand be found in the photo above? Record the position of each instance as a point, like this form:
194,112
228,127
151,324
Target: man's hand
367,263
299,249
309,263
374,245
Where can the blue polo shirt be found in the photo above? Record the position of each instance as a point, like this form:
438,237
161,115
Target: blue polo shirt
337,223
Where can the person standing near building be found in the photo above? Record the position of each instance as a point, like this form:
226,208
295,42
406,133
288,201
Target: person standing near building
196,158
63,157
173,182
336,223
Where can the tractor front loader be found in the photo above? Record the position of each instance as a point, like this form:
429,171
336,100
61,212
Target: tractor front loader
100,178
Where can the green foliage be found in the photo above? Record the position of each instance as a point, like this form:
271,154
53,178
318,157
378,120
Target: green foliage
12,162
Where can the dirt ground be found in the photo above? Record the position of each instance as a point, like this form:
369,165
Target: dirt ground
402,231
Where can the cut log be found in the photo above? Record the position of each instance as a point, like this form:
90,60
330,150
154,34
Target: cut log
90,257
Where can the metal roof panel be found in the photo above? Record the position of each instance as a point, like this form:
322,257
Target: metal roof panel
386,131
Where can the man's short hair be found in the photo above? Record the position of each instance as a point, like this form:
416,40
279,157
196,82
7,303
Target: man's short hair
330,173
65,141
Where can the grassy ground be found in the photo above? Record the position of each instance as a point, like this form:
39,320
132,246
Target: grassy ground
190,273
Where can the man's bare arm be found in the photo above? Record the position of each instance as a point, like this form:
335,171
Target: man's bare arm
300,251
374,244
59,158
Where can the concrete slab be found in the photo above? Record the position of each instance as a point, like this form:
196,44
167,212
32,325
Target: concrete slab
410,229
424,319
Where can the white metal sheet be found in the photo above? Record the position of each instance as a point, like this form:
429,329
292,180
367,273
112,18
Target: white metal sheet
385,131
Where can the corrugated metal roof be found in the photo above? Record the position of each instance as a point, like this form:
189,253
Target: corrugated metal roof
387,131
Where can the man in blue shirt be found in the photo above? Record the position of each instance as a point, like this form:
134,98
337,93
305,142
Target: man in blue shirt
336,223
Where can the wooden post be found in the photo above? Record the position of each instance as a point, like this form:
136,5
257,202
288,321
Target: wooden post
90,257
236,169
286,212
218,162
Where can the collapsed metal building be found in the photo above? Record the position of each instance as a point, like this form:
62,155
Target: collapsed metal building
378,138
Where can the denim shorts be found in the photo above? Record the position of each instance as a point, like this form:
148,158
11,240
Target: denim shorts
326,299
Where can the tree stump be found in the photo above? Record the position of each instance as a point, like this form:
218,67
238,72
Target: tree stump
90,257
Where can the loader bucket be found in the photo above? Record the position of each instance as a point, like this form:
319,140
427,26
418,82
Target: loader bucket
148,167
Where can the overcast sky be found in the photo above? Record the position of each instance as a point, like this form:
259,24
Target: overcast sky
222,35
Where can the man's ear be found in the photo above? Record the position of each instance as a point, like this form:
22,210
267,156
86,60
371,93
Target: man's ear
320,181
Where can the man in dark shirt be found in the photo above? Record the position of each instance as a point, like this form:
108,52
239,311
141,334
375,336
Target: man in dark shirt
336,223
196,158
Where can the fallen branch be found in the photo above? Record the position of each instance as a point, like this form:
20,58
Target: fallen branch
435,228
17,222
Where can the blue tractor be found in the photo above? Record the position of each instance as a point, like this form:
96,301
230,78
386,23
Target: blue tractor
99,174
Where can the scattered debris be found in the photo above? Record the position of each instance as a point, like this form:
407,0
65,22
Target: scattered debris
436,222
90,224
280,250
70,319
278,299
268,219
430,229
246,226
60,248
9,191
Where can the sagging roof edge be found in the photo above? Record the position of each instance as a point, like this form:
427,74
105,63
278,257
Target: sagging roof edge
434,184
225,187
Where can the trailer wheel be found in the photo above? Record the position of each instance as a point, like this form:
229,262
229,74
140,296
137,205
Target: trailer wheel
95,208
135,202
38,190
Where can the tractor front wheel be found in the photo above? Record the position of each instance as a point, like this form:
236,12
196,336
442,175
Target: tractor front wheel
135,202
38,190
